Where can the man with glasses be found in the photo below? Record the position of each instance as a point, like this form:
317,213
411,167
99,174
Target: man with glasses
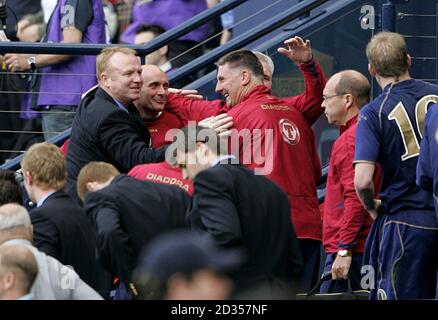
346,223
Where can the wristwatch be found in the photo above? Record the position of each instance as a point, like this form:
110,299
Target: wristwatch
32,62
344,253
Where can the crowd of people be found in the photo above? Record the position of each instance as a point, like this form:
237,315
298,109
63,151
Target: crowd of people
161,194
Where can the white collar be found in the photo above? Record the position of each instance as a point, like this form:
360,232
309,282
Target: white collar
221,158
41,201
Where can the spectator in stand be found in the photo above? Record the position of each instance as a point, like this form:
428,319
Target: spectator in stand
17,11
60,86
18,271
146,33
55,281
159,57
127,213
227,22
61,228
169,14
346,223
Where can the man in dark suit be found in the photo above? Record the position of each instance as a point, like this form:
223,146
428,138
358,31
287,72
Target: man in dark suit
61,228
127,213
107,126
239,209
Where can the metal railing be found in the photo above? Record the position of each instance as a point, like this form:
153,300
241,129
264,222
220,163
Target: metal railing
389,19
94,49
261,30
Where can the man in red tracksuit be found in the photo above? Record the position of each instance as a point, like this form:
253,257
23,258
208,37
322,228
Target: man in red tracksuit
282,144
346,223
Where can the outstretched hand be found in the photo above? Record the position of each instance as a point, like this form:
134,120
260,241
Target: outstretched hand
297,50
220,123
188,93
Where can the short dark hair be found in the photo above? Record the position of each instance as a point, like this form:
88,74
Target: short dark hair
243,59
10,191
154,28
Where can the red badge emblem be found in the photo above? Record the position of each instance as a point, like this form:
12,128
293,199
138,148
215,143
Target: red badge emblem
289,131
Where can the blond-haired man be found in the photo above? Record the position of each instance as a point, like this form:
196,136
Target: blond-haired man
61,228
405,231
107,126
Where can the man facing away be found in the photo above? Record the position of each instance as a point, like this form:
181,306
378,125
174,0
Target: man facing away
18,271
127,213
239,209
405,230
61,228
55,281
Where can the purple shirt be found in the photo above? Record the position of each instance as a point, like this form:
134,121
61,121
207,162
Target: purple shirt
167,14
63,83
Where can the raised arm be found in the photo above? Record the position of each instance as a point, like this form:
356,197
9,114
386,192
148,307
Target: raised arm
309,102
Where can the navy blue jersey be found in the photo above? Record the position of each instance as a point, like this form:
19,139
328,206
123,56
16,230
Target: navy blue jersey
389,132
427,167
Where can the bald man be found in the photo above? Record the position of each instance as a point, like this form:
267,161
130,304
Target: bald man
346,223
18,271
150,105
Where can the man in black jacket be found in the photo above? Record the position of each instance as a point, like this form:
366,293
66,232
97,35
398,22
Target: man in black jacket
239,209
61,228
107,126
127,213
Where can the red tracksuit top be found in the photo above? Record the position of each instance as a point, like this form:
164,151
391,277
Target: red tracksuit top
346,223
158,127
296,166
162,173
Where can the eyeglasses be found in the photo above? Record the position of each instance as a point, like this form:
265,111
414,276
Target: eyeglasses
327,98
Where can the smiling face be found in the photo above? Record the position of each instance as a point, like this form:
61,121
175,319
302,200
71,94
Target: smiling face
122,79
229,84
155,89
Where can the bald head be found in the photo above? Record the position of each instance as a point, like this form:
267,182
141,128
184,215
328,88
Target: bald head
353,82
151,71
154,92
344,94
18,270
14,223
